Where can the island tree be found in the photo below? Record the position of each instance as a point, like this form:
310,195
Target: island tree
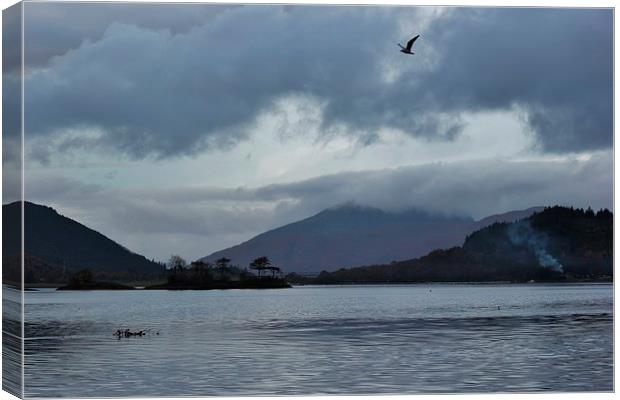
260,264
201,270
222,265
176,263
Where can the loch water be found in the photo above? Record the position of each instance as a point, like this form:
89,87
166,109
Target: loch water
391,339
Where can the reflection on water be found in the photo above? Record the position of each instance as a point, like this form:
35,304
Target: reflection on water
11,340
316,340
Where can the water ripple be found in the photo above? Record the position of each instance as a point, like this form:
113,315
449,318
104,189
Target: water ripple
382,340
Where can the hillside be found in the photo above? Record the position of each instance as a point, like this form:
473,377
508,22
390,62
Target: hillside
352,235
558,243
510,216
349,235
56,246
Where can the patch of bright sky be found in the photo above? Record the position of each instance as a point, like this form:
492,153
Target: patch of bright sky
287,144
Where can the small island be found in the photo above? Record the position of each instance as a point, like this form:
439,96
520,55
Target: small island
84,280
201,275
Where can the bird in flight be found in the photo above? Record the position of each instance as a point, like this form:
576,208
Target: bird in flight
407,49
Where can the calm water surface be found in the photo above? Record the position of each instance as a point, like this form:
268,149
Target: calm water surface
321,340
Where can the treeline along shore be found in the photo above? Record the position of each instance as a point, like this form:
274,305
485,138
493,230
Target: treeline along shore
558,244
554,244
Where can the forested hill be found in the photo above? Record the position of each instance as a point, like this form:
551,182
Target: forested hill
56,246
558,243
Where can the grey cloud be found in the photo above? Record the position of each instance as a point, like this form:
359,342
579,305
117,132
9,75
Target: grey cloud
196,220
176,92
11,104
11,95
53,28
153,219
473,188
481,187
555,63
11,39
148,211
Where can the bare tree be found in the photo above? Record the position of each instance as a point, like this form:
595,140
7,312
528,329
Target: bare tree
176,263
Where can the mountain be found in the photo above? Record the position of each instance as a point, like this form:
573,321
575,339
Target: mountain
558,243
56,246
510,216
351,235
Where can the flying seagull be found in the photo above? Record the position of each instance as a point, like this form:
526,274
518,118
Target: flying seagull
407,50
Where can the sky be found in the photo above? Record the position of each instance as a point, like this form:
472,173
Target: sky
188,128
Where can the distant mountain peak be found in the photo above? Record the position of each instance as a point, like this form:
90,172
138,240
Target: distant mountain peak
351,206
351,234
347,205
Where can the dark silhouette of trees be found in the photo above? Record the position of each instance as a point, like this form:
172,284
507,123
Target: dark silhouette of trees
260,264
273,270
221,275
201,270
176,263
85,280
222,265
82,278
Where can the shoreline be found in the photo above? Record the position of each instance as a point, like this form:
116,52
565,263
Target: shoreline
496,283
249,284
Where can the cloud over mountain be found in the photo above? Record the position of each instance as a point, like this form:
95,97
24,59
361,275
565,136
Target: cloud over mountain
204,219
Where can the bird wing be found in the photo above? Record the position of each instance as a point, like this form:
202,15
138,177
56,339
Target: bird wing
410,43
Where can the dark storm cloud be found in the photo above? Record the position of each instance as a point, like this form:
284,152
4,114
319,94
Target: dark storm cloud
52,29
555,63
11,43
162,93
11,105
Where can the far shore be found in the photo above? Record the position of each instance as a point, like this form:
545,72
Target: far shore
480,283
162,286
215,285
264,283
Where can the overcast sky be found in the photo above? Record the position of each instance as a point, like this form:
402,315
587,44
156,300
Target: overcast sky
187,128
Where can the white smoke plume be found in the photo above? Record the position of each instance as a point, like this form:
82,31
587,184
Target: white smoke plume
522,233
